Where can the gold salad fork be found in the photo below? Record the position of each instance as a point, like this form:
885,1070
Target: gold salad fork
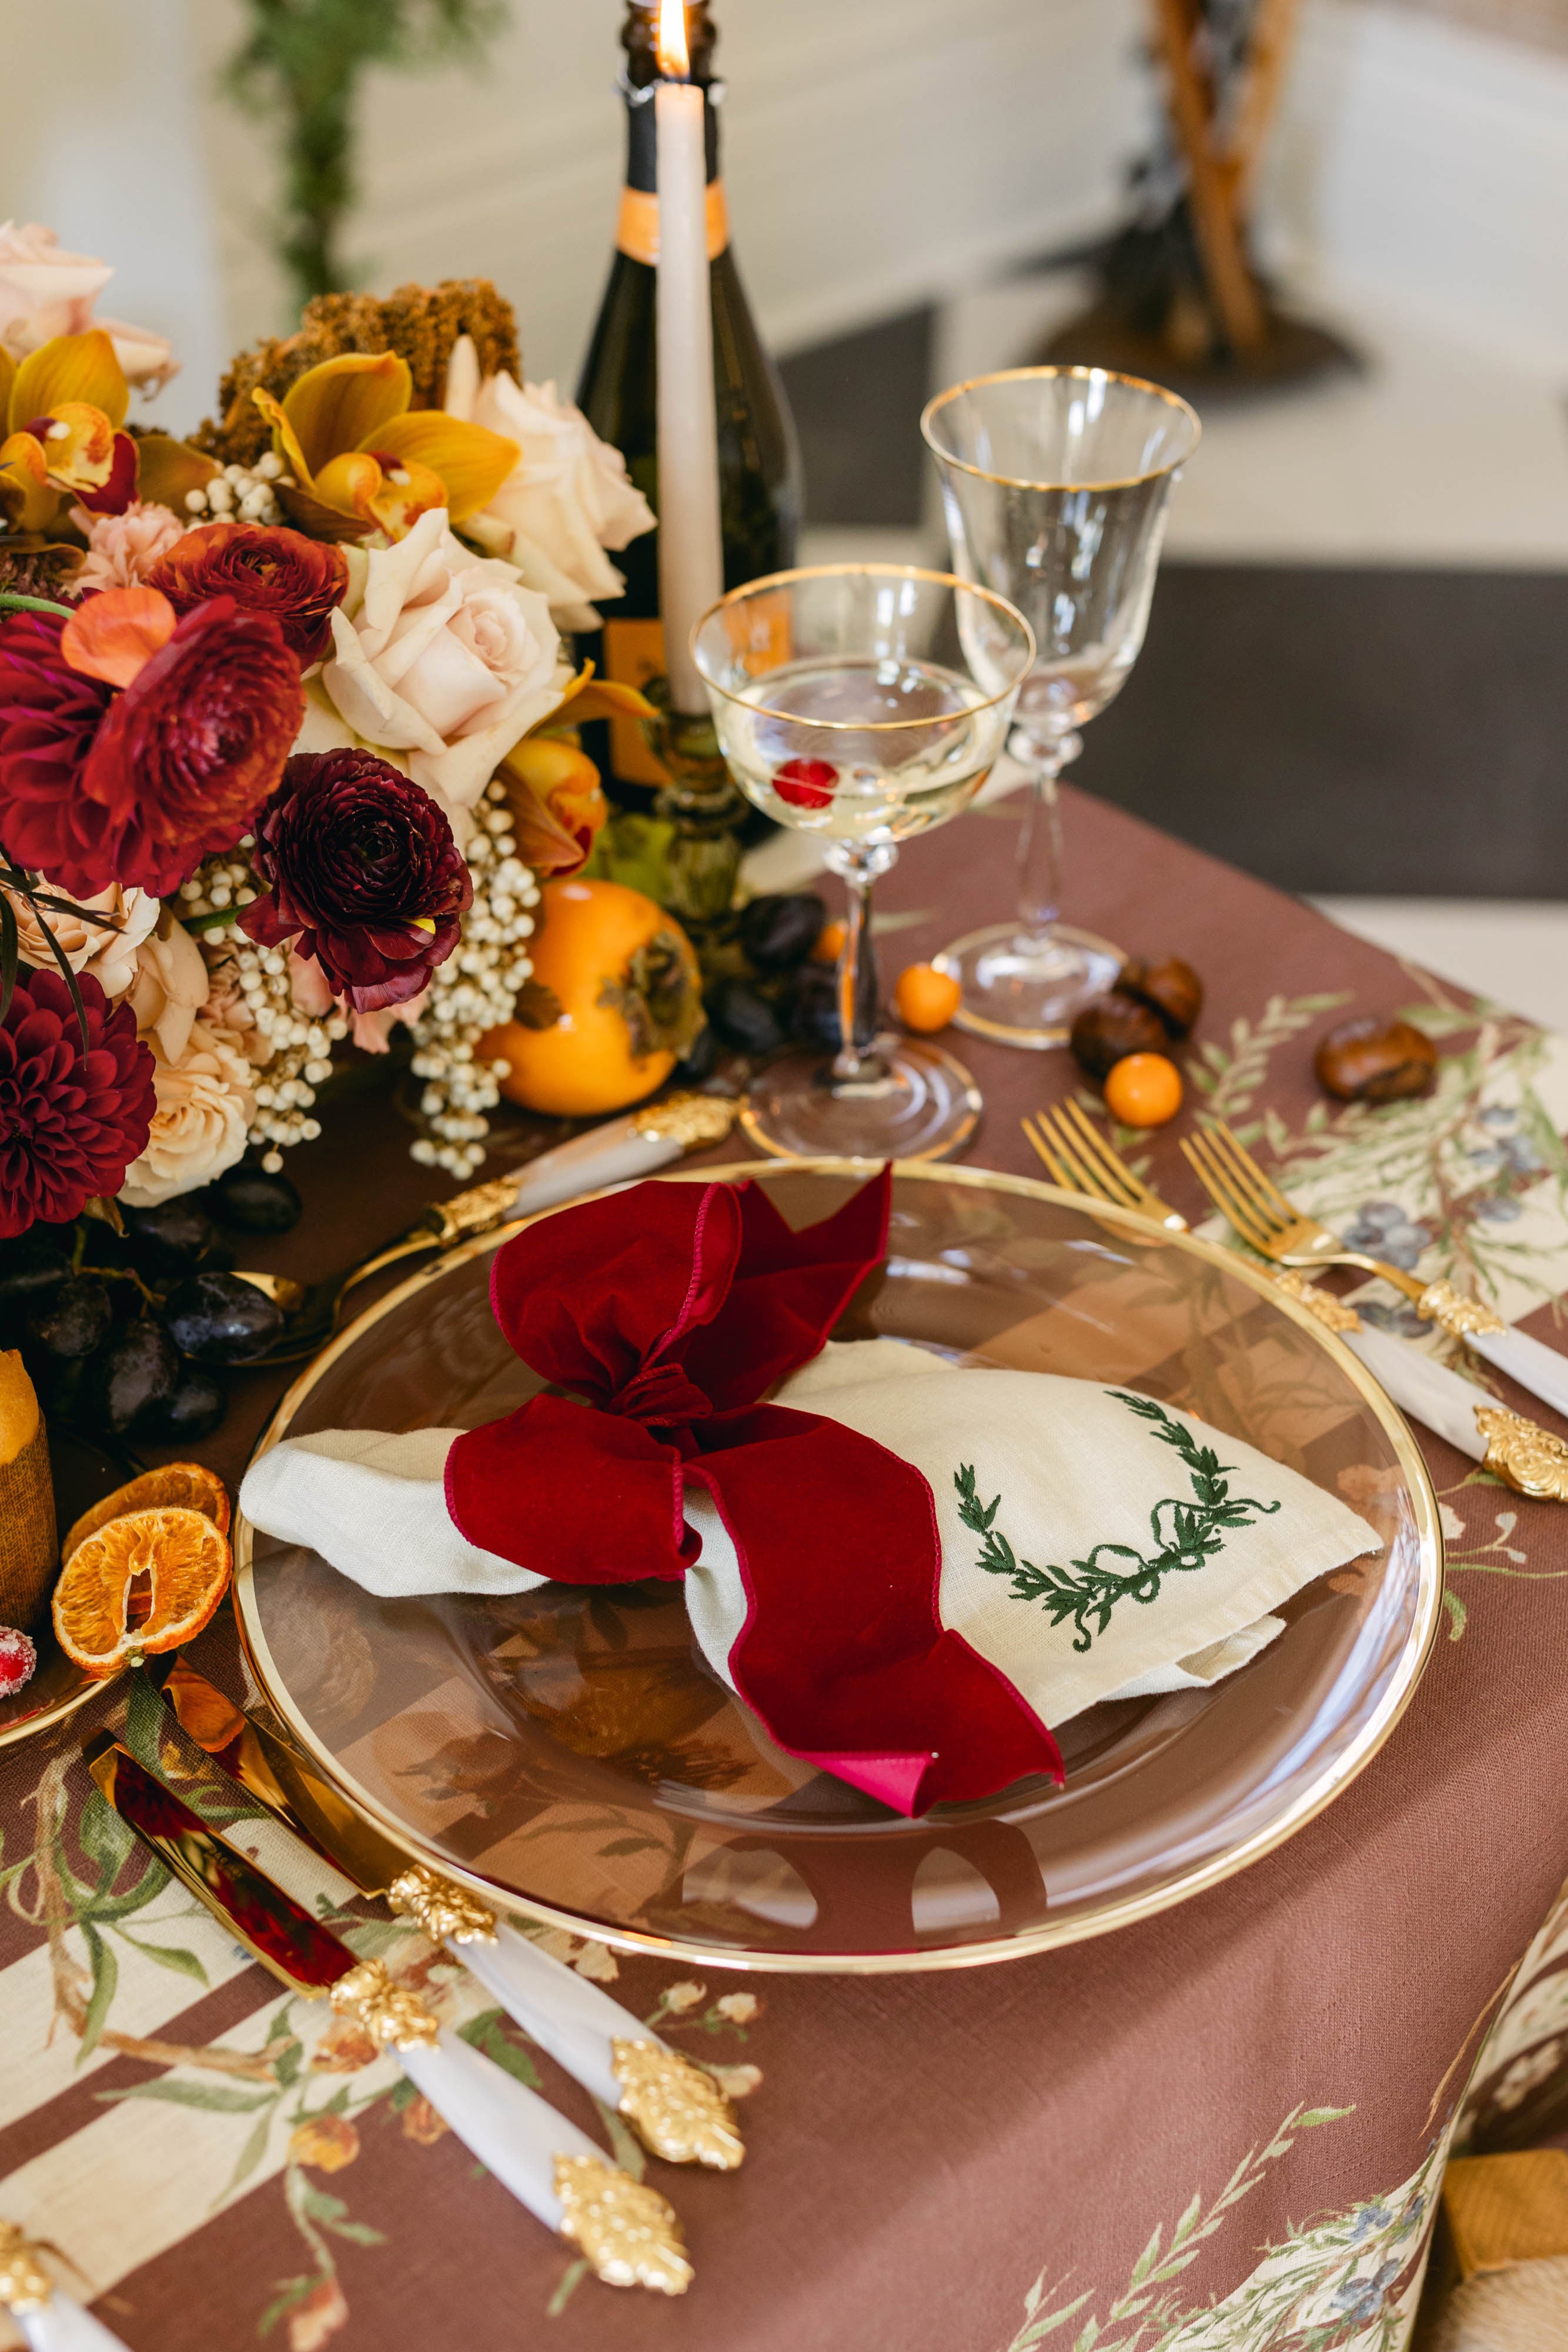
1079,1160
1276,1228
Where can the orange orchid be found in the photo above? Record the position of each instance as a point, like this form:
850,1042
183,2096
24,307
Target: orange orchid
62,408
359,459
553,792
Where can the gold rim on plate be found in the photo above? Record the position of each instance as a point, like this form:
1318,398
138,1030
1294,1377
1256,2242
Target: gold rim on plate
1121,1913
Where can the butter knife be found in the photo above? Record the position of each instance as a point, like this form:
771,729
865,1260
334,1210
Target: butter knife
676,2107
625,2230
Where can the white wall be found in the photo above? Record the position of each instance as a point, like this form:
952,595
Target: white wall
878,152
103,143
1427,163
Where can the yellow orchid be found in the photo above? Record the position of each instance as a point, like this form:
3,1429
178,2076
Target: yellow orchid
62,408
359,459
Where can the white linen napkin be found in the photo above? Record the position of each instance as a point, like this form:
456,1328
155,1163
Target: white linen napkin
1095,1544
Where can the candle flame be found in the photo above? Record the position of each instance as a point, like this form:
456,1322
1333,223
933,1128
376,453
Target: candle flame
674,57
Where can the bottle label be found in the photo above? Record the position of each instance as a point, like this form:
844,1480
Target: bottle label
633,653
637,235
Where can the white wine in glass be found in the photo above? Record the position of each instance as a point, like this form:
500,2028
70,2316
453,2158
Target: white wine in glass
862,703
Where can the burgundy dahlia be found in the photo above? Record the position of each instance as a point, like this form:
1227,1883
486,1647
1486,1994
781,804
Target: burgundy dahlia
137,787
71,1123
362,873
297,580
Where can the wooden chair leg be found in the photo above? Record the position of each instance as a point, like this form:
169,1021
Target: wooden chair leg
1230,280
1273,30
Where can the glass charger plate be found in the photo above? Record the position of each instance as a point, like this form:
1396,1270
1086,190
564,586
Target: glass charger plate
567,1752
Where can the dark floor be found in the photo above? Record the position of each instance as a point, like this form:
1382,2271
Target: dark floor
1381,732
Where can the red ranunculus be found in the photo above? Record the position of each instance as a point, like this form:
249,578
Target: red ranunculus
297,580
71,1123
363,874
137,787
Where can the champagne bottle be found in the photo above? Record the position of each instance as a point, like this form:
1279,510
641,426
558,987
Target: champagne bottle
759,491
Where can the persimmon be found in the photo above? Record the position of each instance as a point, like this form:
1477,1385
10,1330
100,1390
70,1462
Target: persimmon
147,1581
1143,1090
177,1485
926,999
614,1002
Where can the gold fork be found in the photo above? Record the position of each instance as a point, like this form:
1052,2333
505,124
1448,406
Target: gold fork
1277,1229
1081,1161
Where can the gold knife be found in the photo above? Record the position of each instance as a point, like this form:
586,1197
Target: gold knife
627,2232
675,2106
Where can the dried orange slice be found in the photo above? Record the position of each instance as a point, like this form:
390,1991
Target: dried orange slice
147,1581
177,1487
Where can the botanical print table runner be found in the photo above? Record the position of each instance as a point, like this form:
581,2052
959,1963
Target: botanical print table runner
1220,2130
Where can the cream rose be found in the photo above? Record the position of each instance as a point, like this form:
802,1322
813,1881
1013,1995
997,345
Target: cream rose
444,663
169,991
203,1113
566,500
109,955
45,292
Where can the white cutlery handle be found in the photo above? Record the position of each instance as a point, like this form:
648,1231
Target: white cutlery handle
1428,1392
1542,1369
611,1154
63,2326
562,2012
623,2228
514,2133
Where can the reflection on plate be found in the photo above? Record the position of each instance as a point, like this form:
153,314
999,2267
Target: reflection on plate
83,1472
569,1751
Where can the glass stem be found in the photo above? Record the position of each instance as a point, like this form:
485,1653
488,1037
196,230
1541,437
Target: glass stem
859,1001
1039,836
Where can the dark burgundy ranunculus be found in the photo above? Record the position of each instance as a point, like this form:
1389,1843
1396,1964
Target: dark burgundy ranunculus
137,787
71,1123
362,873
297,580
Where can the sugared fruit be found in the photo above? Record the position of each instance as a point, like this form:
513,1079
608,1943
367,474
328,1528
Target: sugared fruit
614,1002
17,1660
926,999
144,1583
1143,1090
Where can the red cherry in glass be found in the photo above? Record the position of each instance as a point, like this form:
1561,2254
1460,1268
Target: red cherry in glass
806,783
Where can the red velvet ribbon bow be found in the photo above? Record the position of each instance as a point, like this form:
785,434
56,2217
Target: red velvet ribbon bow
672,1309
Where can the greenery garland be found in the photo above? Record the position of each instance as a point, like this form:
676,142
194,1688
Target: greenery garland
302,63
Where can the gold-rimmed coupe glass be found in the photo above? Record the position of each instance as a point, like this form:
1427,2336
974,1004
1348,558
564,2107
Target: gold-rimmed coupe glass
862,703
1056,483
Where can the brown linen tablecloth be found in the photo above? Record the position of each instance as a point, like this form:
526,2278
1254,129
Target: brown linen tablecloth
1220,2130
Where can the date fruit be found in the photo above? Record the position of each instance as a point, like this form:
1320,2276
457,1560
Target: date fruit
220,1318
778,932
745,1021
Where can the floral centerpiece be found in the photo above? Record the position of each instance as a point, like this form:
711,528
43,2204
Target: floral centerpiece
285,724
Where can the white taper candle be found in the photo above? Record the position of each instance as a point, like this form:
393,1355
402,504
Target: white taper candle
691,551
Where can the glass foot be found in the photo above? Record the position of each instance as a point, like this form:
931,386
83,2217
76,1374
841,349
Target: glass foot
1023,991
917,1104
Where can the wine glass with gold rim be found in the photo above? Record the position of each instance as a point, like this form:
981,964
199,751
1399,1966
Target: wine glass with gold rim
863,704
1056,482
